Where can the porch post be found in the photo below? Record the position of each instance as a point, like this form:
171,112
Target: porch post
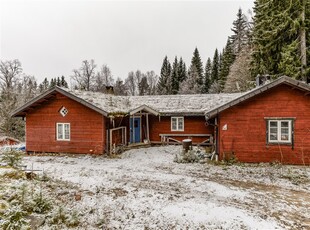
133,129
125,135
147,127
111,145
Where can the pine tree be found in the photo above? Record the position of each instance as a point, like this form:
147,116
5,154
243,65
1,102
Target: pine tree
164,82
197,63
175,77
215,67
207,79
240,28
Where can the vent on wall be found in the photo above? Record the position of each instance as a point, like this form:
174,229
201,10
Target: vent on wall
63,111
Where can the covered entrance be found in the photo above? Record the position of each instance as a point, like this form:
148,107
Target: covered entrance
139,124
135,129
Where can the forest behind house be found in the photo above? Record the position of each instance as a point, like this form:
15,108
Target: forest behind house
272,40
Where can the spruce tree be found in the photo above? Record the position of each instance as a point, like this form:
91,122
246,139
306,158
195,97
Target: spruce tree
240,28
196,61
63,82
53,83
175,77
41,88
207,78
58,83
215,67
190,86
307,29
279,38
143,86
182,72
227,60
45,84
164,81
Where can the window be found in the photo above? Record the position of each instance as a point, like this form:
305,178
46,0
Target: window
280,131
63,131
177,123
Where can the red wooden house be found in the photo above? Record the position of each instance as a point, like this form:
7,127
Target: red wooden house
61,120
268,123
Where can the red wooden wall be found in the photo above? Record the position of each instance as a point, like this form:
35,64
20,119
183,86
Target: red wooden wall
88,131
246,133
192,125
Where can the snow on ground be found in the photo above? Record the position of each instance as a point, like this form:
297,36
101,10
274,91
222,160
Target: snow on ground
145,189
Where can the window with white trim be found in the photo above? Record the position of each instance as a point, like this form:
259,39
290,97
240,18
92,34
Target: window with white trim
63,131
280,131
177,123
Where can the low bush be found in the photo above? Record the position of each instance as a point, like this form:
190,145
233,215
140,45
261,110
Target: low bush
191,156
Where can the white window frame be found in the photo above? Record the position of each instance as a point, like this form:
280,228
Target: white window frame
178,120
63,133
279,131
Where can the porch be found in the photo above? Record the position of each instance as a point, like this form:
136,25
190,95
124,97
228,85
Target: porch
130,131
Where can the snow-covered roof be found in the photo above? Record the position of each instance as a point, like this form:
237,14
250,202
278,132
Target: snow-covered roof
191,104
163,104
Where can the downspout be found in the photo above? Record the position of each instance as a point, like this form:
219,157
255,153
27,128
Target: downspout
108,126
217,138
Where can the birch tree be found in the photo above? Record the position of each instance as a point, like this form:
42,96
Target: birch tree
84,76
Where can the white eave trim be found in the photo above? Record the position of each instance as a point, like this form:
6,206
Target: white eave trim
144,107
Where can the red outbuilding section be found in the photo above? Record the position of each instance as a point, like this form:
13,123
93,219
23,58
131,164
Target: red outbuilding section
268,126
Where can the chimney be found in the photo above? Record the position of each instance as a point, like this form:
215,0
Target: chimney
262,79
109,90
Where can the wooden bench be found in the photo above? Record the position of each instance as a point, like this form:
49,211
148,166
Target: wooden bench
170,138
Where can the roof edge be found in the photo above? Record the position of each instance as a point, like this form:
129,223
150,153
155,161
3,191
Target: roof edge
16,112
144,107
284,79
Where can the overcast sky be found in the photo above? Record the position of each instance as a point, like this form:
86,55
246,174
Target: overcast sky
51,38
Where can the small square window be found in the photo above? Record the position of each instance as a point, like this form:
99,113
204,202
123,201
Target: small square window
63,111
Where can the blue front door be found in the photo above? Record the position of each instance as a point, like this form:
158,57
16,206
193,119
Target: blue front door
135,130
